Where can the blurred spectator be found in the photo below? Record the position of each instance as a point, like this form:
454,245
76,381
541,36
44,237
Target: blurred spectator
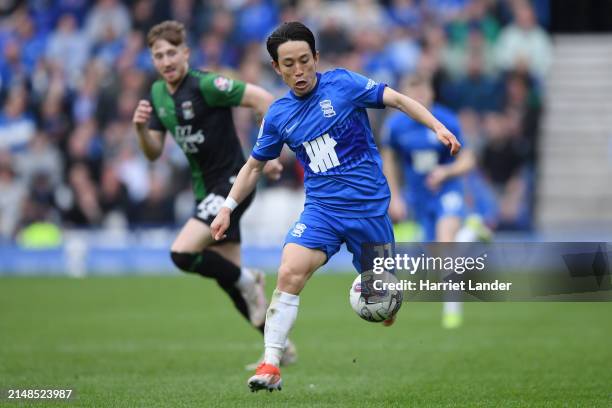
78,8
80,206
158,207
13,72
54,120
444,11
17,125
143,15
86,100
31,42
256,19
503,163
12,193
133,172
85,147
406,14
114,198
41,157
523,109
524,43
458,56
107,18
333,40
475,91
68,48
478,16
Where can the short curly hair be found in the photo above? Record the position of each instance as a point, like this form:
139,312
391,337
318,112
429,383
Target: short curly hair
170,30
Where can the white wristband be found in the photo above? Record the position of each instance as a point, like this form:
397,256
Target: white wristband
230,203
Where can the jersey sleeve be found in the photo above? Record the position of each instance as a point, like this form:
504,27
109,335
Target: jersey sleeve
269,142
220,91
363,91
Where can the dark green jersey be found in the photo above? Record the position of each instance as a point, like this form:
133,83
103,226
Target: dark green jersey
199,116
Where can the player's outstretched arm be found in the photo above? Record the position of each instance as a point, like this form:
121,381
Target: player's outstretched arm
243,186
151,141
258,99
419,113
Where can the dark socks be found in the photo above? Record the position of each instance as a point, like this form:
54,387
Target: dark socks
210,264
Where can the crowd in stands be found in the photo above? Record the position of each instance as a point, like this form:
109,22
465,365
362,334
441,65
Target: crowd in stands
72,71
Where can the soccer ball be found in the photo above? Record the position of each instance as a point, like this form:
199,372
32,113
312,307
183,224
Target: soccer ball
371,301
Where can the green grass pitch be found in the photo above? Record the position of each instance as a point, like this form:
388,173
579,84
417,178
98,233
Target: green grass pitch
177,342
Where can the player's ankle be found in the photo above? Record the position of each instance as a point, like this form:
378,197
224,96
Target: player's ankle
273,356
246,280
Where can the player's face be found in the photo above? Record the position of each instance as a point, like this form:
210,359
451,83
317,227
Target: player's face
170,61
297,66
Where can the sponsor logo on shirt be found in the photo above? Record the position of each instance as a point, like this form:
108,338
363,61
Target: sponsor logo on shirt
371,84
188,141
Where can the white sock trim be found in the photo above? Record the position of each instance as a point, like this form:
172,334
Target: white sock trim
245,281
286,298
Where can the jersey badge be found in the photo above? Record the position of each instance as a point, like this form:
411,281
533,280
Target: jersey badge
223,84
187,107
327,108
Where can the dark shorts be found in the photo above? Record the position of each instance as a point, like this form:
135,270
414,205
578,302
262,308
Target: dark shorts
207,209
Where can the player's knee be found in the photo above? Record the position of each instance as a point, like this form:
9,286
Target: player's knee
291,279
183,260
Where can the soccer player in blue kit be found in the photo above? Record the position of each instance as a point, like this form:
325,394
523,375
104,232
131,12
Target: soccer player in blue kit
323,119
434,190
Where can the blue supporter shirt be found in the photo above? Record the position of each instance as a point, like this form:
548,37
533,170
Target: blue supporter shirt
330,133
420,151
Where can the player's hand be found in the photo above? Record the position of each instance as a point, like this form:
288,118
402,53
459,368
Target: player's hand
397,209
273,169
220,224
449,140
142,114
436,177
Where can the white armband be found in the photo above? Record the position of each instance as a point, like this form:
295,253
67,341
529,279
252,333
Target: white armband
230,203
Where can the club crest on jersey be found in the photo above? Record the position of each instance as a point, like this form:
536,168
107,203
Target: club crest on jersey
327,108
187,107
223,83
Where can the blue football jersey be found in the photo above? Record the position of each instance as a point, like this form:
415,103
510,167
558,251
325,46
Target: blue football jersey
420,151
330,133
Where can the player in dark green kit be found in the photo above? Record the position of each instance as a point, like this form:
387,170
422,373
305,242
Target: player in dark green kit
195,107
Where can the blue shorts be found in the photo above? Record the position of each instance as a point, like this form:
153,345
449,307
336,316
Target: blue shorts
317,229
427,212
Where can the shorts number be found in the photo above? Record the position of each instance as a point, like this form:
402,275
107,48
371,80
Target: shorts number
210,206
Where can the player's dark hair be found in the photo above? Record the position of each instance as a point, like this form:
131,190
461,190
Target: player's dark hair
170,30
291,31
